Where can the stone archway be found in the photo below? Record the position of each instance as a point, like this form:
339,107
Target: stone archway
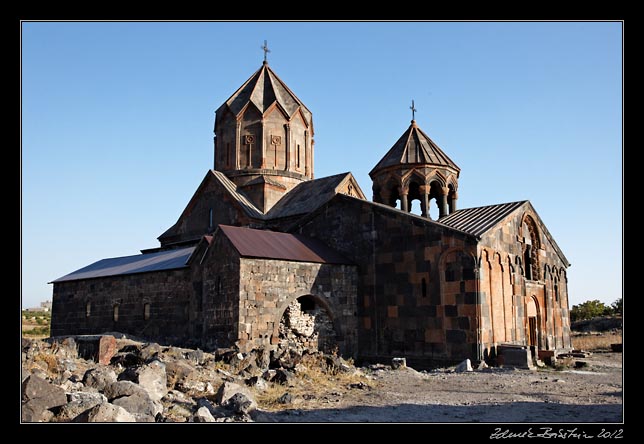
533,323
307,324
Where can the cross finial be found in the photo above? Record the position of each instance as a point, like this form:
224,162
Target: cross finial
266,50
413,110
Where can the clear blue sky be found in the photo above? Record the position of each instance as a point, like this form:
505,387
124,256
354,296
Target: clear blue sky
117,124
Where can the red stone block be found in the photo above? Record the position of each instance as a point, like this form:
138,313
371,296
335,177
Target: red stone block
106,349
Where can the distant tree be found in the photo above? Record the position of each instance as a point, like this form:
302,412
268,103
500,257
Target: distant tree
617,306
589,310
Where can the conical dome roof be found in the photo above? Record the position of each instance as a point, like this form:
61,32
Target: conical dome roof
263,89
414,147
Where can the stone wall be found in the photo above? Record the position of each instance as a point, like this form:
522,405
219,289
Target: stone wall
154,304
267,287
216,301
407,305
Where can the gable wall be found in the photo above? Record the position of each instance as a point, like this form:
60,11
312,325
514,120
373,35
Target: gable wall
195,222
506,290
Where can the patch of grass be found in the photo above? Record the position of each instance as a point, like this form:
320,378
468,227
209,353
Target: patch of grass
49,361
563,364
267,398
596,341
312,378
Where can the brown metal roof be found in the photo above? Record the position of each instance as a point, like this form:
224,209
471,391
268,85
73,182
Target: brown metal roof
478,220
286,246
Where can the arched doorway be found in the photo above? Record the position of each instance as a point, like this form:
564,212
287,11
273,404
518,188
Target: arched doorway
533,321
307,324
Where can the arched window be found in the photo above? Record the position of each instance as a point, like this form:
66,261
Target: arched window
556,290
115,313
424,287
146,311
531,245
210,218
88,309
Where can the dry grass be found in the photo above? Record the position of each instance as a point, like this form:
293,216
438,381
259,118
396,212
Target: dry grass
313,379
48,361
267,399
596,341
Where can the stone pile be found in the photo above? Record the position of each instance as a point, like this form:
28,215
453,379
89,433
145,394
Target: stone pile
148,382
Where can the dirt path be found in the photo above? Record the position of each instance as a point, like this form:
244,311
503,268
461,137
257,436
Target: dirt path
493,395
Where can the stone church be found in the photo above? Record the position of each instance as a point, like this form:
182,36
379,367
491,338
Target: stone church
265,254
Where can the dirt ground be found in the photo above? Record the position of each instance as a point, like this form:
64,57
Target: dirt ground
494,395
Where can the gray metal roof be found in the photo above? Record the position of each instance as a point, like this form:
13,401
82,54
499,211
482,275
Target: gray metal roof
478,220
139,263
285,246
415,147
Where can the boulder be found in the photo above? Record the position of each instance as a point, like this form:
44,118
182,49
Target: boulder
257,381
262,358
282,376
197,356
79,402
215,411
241,403
203,415
87,397
99,348
140,405
119,389
33,411
397,363
286,398
71,386
177,413
99,377
228,390
106,412
178,372
195,386
465,366
288,359
152,377
150,351
127,359
39,395
66,348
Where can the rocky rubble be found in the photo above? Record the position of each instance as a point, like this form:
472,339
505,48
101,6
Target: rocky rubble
148,382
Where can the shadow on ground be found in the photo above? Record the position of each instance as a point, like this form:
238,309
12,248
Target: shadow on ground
511,412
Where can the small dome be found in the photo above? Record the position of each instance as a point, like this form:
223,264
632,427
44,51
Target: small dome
414,147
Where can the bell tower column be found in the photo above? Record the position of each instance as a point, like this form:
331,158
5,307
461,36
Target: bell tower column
452,202
442,203
404,204
424,200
